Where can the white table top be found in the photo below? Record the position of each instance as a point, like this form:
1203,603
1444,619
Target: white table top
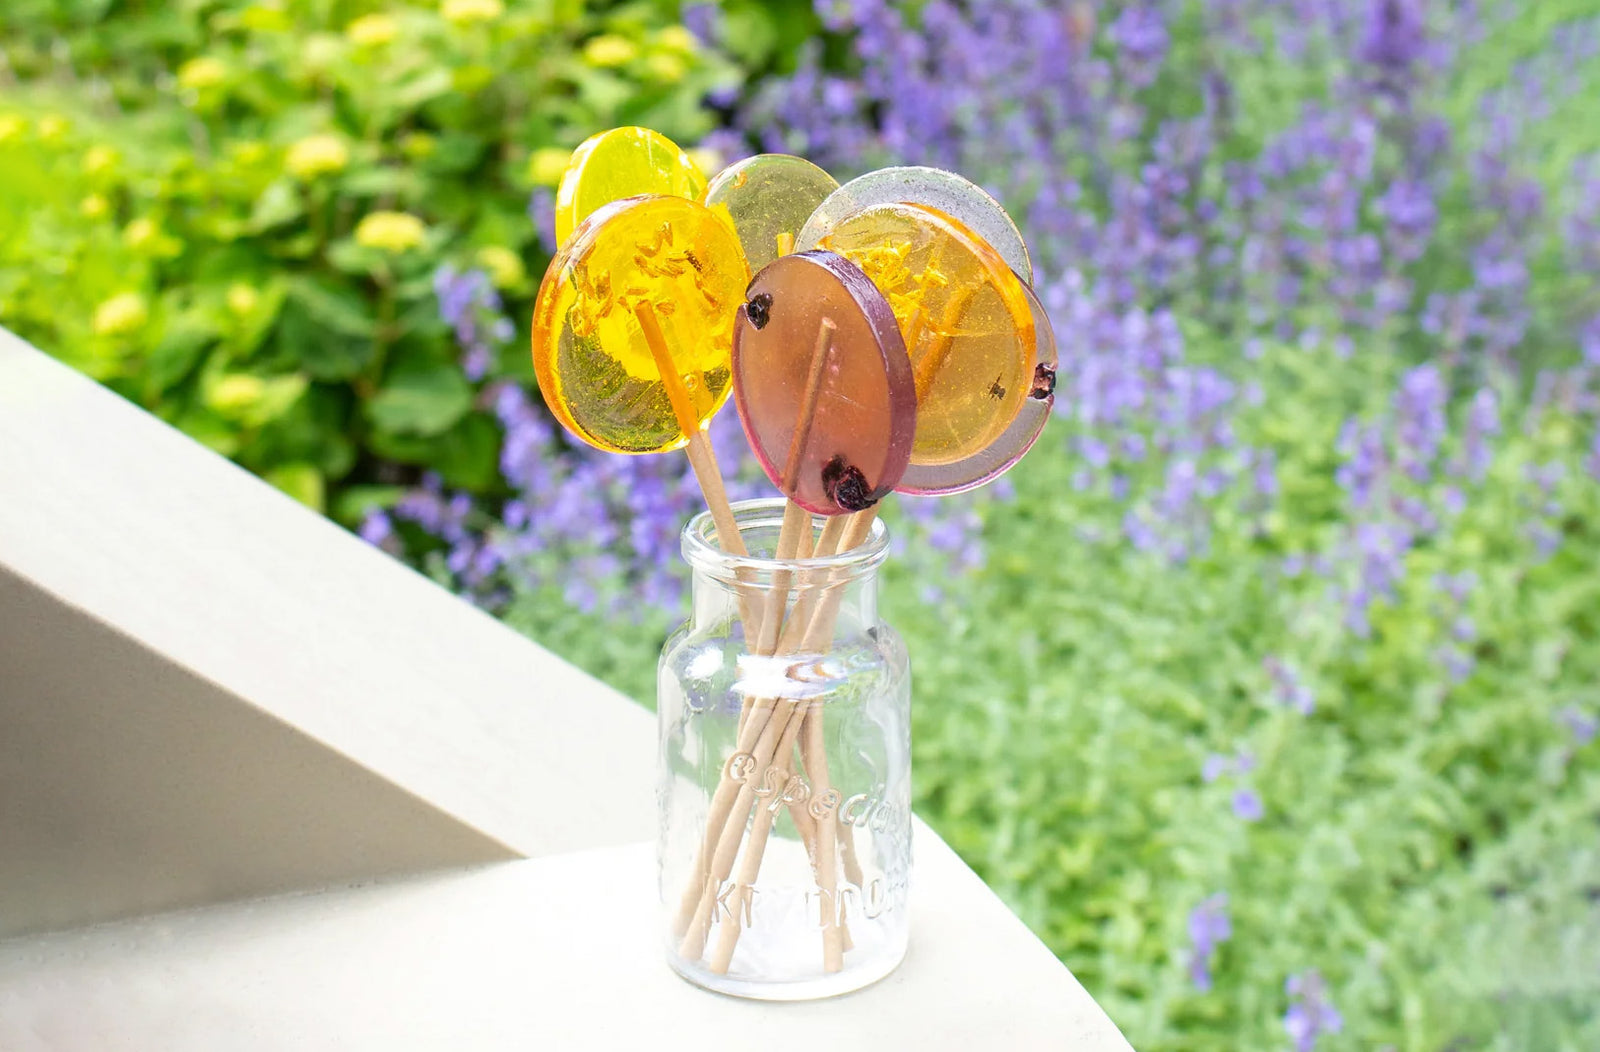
553,953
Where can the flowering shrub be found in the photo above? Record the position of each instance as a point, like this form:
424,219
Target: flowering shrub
234,212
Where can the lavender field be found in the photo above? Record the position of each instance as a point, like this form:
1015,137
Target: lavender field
1266,689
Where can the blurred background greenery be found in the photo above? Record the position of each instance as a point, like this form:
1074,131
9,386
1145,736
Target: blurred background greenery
1265,688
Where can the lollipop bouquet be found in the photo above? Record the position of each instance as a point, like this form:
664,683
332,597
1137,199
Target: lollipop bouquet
877,336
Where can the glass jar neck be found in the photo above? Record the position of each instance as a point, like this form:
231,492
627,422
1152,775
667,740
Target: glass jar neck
823,599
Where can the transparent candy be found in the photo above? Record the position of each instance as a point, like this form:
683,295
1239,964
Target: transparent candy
965,318
768,198
823,383
996,458
934,187
622,162
663,258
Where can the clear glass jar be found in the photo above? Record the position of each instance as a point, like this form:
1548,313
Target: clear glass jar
785,770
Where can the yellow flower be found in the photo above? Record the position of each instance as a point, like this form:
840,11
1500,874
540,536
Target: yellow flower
11,127
121,314
318,155
665,67
548,164
372,30
235,392
679,39
418,145
242,299
267,17
99,159
320,52
197,74
248,153
140,233
504,266
93,207
466,12
609,50
708,161
52,128
390,231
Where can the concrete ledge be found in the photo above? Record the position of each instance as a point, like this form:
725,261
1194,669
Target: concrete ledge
557,953
208,691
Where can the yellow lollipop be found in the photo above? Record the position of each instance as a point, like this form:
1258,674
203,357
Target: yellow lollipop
768,198
622,162
633,325
965,318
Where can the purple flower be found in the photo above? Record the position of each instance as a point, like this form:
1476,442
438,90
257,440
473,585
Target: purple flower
1457,663
1419,407
1411,214
703,20
1310,1014
1247,806
1581,724
542,212
1288,690
1209,927
1394,36
1215,766
376,528
1140,33
469,304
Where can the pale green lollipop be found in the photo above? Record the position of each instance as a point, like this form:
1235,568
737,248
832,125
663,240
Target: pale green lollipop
768,198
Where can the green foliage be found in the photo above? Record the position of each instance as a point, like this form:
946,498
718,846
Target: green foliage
231,212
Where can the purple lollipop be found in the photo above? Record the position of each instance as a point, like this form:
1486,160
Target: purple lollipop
823,383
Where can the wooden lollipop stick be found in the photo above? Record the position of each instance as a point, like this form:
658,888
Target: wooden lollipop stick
815,637
926,367
730,808
725,811
701,456
795,521
808,404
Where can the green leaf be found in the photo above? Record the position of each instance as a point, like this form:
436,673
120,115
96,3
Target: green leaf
468,455
421,400
327,329
278,204
300,481
352,505
435,81
383,181
456,152
174,358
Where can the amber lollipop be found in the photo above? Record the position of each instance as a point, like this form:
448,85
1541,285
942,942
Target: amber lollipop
969,328
633,333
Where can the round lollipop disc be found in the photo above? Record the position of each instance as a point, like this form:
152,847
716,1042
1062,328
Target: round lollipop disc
934,188
823,383
996,458
622,162
768,198
668,256
964,317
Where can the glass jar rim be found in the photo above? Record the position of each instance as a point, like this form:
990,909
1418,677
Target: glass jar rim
700,550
